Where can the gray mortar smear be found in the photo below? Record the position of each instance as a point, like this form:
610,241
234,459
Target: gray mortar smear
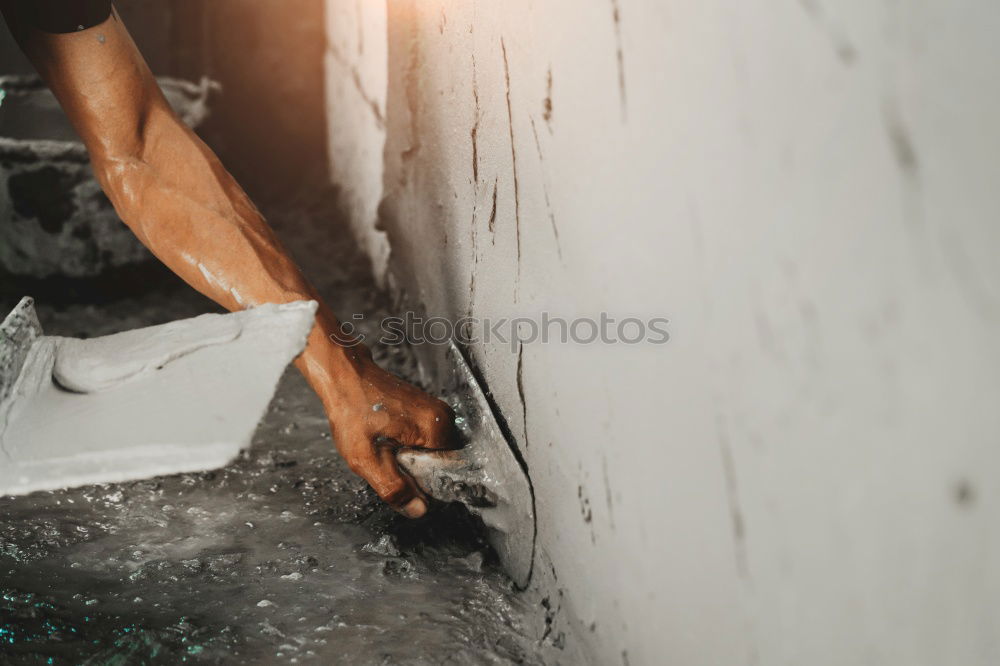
282,557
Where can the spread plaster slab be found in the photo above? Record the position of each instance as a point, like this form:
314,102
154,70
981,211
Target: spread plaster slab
180,397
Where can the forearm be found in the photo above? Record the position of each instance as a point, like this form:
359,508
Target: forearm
171,190
183,205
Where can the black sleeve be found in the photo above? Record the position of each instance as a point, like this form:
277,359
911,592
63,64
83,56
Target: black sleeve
63,15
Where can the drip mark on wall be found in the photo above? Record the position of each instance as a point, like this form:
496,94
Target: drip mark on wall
513,158
545,191
620,55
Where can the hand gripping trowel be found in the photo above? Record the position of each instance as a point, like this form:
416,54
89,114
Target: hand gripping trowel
485,475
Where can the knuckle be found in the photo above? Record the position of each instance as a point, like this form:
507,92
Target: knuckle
442,411
356,465
437,422
392,491
358,459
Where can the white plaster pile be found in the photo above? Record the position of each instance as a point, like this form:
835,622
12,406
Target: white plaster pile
180,397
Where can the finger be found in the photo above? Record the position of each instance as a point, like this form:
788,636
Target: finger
377,466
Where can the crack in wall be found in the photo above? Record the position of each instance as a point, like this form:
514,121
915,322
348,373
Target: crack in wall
520,391
359,86
953,252
474,136
493,213
608,499
842,46
545,191
512,442
513,157
475,262
902,145
586,511
371,103
474,133
547,103
732,495
475,212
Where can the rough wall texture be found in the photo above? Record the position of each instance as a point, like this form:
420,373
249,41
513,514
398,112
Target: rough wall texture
806,472
356,86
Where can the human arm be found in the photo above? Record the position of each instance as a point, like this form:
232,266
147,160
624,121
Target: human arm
179,200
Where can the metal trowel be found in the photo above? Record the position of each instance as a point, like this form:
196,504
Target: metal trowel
485,474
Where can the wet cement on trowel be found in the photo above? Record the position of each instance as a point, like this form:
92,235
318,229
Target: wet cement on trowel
282,557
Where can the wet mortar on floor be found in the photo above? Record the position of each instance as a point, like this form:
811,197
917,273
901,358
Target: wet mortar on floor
284,556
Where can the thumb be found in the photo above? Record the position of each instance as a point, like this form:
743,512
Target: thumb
377,465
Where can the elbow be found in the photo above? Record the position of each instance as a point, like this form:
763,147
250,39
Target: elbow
120,159
122,170
128,146
115,172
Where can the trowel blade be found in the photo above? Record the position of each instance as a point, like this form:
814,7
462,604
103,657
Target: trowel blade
485,474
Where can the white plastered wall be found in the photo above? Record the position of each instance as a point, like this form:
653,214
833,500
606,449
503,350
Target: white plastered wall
808,190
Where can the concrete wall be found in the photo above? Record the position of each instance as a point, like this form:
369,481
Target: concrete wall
806,473
356,68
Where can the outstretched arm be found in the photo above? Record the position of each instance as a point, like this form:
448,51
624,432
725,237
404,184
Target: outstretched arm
179,200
